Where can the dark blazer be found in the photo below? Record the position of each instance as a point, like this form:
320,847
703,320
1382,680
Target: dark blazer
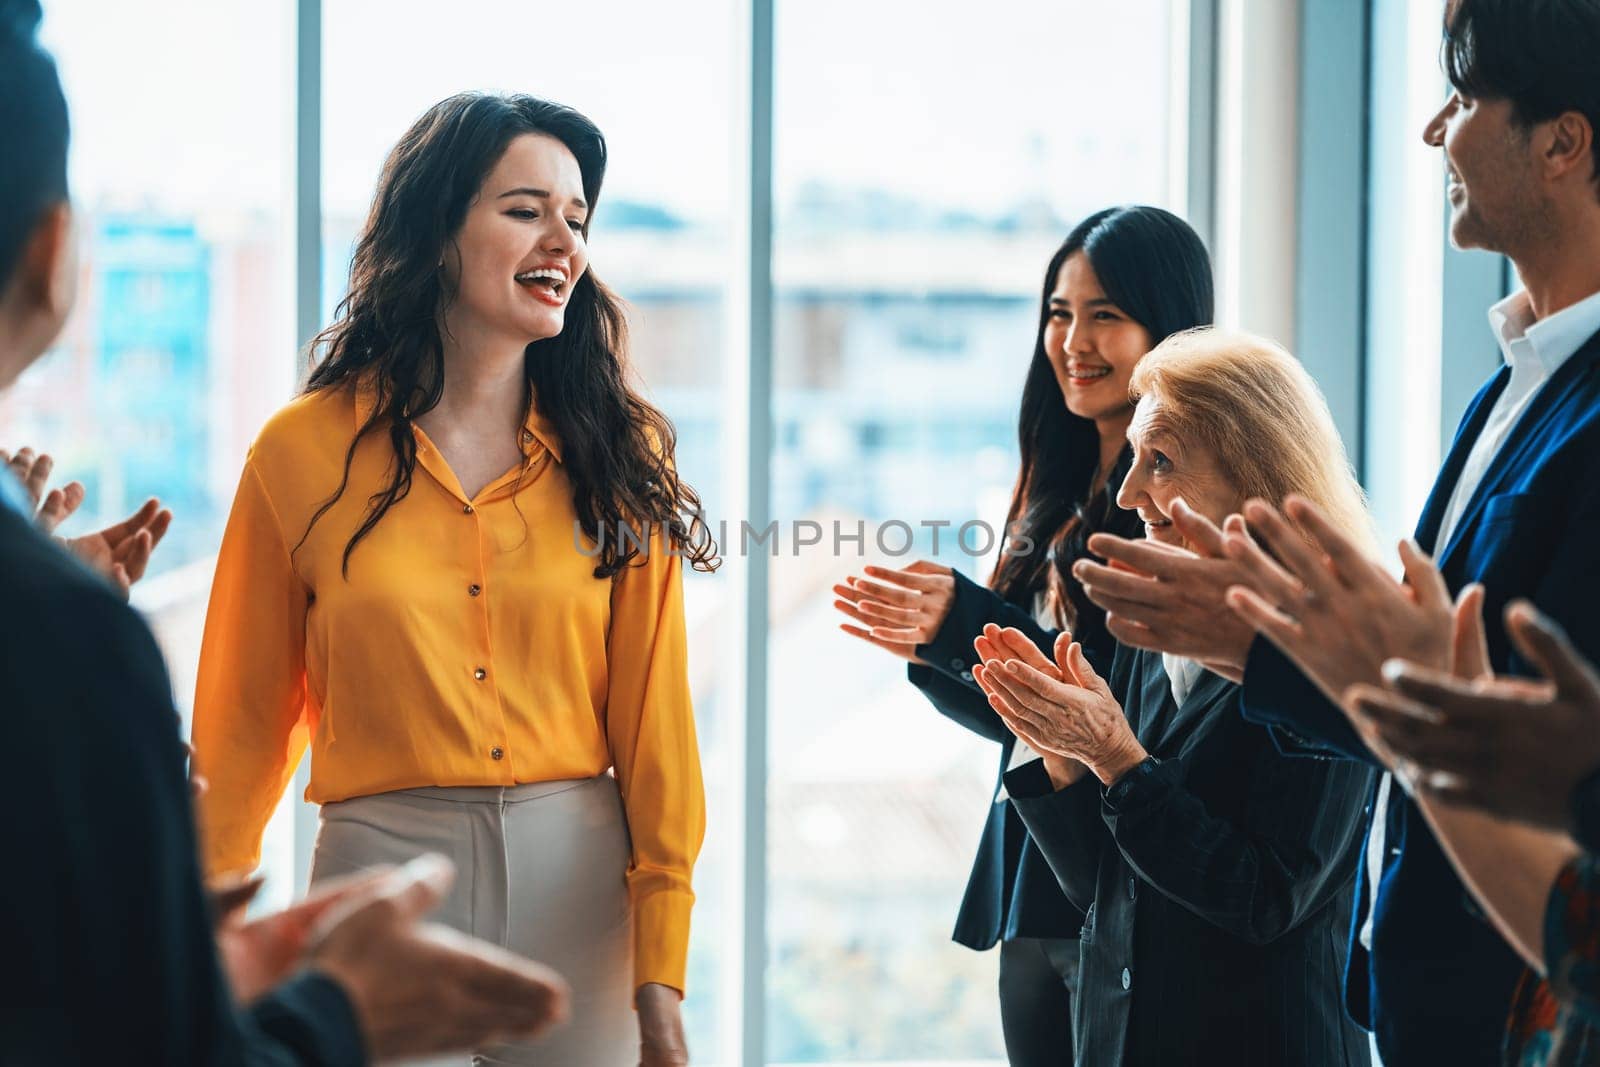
1216,877
1011,892
103,924
1437,983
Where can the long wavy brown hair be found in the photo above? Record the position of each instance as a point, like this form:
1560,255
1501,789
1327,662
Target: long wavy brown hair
617,448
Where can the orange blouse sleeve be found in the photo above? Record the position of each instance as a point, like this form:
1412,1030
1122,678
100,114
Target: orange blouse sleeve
651,733
250,697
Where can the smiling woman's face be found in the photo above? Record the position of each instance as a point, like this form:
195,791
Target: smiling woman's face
521,248
1092,343
1167,467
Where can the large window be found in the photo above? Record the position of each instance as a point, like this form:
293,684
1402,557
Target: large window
182,342
923,177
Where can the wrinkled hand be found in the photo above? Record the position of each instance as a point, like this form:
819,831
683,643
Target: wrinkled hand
1332,610
1072,715
1169,599
1513,747
1003,646
51,508
897,610
661,1038
419,988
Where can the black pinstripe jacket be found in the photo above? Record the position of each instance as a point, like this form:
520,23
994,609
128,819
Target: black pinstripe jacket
1216,879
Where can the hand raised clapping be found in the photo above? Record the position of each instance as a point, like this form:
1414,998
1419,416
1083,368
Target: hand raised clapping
119,553
897,610
1067,710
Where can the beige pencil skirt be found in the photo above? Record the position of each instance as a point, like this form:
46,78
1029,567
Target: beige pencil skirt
539,870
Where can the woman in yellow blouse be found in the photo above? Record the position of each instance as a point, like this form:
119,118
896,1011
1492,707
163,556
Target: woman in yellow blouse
423,579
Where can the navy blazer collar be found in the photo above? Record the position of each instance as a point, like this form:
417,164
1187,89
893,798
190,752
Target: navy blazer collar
1164,720
1554,397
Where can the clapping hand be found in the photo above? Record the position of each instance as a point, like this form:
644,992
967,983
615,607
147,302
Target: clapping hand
1514,747
897,609
1170,599
995,645
50,508
1329,607
1067,710
122,552
119,553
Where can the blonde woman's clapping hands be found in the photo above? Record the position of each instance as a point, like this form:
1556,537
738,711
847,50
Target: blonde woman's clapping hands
1066,710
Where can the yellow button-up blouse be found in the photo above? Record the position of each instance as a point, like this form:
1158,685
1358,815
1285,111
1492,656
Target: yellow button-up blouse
471,645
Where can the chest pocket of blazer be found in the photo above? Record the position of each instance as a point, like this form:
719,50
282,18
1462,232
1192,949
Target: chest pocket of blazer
1509,507
1512,540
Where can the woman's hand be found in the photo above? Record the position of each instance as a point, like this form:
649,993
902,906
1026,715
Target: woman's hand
1003,646
897,610
661,1040
1072,715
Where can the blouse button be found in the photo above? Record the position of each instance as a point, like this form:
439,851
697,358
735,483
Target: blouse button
1127,978
466,509
497,752
480,674
474,589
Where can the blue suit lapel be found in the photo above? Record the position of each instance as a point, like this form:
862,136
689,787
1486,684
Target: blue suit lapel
1444,486
1526,437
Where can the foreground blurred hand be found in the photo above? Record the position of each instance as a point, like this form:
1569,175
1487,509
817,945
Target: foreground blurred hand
258,954
119,553
1514,747
51,508
1170,599
420,988
1332,610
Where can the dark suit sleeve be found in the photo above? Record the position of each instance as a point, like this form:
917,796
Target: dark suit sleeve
1066,826
975,606
1571,602
946,680
1568,592
114,920
960,701
1302,720
304,1021
1257,878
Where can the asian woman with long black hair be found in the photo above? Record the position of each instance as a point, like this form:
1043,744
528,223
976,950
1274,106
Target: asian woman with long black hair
1125,279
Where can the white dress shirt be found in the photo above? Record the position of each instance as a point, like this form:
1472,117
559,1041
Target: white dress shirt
1534,350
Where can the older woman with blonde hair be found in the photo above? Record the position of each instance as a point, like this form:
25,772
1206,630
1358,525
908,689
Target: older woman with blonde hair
1214,870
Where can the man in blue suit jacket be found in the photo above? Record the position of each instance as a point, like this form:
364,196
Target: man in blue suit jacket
1516,507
